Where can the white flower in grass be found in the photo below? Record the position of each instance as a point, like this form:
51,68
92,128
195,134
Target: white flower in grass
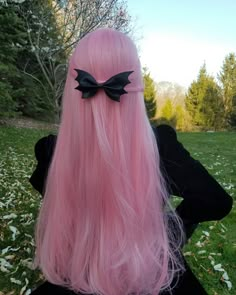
189,253
10,216
225,279
218,267
199,244
10,257
4,269
225,276
223,226
5,264
5,250
17,282
201,252
206,233
22,291
229,284
14,231
28,263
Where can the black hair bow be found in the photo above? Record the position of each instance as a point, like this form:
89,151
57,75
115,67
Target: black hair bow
113,87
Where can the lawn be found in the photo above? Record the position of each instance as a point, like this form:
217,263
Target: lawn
211,251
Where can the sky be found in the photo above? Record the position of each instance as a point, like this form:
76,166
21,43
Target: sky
176,37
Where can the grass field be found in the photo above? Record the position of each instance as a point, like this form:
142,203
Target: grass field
211,252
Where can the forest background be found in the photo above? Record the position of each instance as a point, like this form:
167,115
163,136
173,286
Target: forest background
37,37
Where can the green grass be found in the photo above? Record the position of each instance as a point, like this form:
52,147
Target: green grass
217,152
19,204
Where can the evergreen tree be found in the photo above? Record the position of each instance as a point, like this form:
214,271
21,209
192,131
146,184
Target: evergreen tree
232,117
204,101
212,106
195,96
11,40
36,38
149,94
227,78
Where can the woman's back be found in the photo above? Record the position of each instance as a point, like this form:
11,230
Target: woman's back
102,227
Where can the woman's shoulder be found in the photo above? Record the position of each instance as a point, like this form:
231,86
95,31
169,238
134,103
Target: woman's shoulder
44,147
165,132
166,138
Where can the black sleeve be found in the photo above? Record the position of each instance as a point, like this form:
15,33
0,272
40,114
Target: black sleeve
203,198
43,152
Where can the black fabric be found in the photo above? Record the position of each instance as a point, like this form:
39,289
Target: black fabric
203,198
43,152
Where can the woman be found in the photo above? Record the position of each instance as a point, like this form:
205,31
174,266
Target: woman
106,225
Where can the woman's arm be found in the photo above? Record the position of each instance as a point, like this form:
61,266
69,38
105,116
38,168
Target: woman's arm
203,197
43,152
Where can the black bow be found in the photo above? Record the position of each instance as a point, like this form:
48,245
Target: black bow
113,87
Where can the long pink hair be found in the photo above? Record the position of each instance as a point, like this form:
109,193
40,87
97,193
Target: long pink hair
103,226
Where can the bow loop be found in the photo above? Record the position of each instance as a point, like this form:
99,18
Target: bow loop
113,87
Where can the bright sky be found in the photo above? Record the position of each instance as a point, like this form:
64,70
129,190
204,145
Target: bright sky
179,35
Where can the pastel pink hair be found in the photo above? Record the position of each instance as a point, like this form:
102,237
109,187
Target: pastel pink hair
103,226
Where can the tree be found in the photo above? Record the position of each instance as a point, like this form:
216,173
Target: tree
204,101
54,27
51,29
212,108
232,117
167,110
227,78
11,39
167,114
183,120
149,94
195,96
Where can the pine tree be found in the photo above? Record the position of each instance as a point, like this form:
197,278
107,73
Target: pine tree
11,40
204,101
232,117
149,94
227,78
195,96
212,106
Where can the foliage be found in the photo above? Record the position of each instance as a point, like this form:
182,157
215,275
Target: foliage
183,120
167,115
167,110
227,78
212,107
204,102
195,96
43,34
149,94
11,39
232,116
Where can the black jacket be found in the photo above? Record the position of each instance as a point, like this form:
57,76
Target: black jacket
203,198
